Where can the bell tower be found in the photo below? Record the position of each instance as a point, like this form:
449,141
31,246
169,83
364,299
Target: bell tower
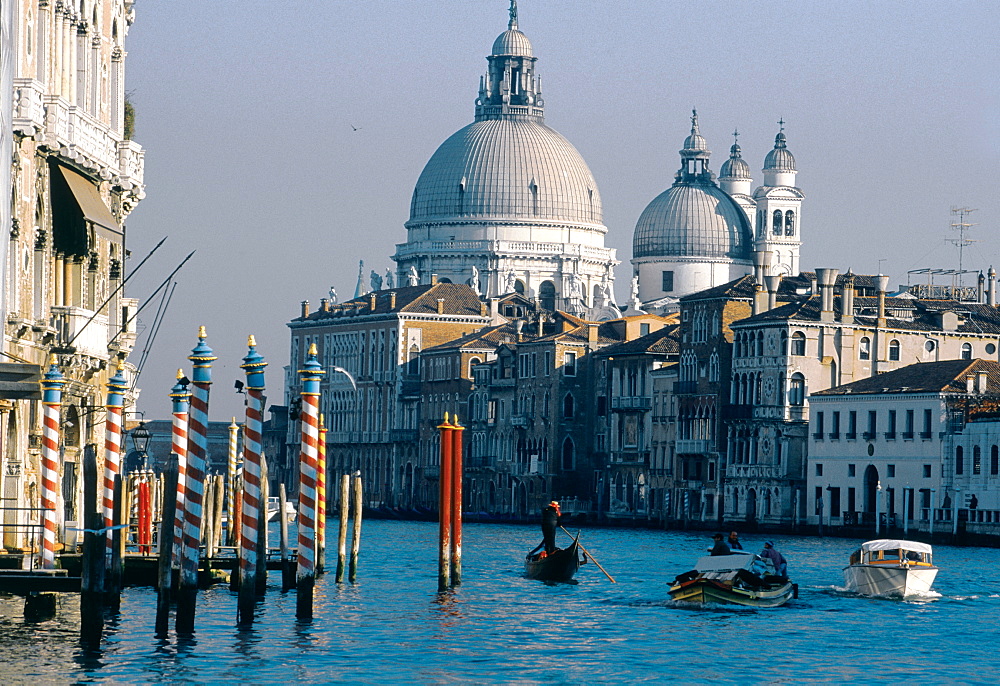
779,208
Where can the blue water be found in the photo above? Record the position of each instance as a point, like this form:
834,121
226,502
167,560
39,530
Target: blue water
392,626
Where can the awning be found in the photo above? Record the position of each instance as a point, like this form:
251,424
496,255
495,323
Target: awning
90,202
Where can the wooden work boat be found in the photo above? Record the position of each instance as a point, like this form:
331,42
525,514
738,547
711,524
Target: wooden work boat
891,567
737,579
559,565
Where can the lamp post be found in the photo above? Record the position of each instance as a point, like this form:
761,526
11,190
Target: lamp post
140,441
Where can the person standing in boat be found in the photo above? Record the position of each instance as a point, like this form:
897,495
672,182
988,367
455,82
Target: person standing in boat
734,541
777,559
551,519
720,547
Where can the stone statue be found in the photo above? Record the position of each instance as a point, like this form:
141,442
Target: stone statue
376,281
510,283
634,289
388,278
575,287
333,295
474,281
412,277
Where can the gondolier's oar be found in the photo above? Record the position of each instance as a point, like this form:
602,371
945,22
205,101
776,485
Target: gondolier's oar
591,556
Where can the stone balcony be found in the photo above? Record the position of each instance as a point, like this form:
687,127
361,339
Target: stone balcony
81,331
635,402
753,472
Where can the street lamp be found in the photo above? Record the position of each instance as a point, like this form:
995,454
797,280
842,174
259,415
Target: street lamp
140,441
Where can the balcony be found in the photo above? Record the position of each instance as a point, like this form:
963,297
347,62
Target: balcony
636,402
522,421
851,435
834,435
817,435
693,447
77,332
907,435
404,435
926,435
890,435
868,436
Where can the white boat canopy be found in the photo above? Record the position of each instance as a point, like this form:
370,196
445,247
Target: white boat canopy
895,544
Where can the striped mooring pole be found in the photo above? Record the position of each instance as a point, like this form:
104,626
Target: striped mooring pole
181,399
305,577
321,499
456,502
194,482
233,533
444,505
52,385
112,453
250,525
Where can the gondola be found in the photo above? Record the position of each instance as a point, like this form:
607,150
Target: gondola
559,565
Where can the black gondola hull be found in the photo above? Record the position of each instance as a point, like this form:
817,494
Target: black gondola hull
560,565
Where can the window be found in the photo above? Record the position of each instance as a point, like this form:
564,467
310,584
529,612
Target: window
835,425
966,351
568,406
644,329
852,424
990,348
994,461
789,223
891,430
569,364
927,471
865,348
568,454
797,390
852,470
894,350
798,343
959,460
977,460
908,426
602,406
818,433
926,433
872,425
890,471
777,222
668,282
819,469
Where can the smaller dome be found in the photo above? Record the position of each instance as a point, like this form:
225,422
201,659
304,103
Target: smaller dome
779,158
735,167
512,42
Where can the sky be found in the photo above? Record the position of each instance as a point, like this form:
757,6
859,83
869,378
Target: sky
283,140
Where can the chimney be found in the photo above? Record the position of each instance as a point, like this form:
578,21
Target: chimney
981,377
305,308
434,279
847,299
772,282
392,300
440,305
969,383
883,286
991,288
324,305
981,289
761,266
519,328
371,300
812,285
592,329
827,278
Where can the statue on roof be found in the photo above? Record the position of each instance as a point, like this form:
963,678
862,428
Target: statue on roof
388,278
510,283
376,281
474,281
333,295
412,277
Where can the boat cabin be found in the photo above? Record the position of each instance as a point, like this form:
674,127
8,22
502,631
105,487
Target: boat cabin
892,552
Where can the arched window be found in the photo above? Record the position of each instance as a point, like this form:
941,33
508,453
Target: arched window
966,351
413,363
472,365
568,406
959,461
798,343
759,351
547,295
784,342
894,350
568,454
797,390
865,348
761,223
789,223
777,223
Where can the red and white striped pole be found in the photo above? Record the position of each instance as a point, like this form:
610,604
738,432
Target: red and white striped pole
181,397
52,386
321,499
112,451
305,577
194,482
250,527
233,533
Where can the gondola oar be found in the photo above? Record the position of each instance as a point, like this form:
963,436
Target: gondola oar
591,556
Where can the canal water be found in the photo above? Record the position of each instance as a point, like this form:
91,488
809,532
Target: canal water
392,626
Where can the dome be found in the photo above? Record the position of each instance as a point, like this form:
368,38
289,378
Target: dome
735,167
779,158
693,220
506,168
512,42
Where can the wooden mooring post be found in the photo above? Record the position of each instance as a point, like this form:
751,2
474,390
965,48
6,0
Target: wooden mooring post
94,554
356,533
345,505
165,548
287,568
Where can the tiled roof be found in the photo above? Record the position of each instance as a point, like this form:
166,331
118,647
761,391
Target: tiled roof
664,341
458,299
488,337
945,376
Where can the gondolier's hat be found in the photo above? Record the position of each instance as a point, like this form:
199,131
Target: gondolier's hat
554,503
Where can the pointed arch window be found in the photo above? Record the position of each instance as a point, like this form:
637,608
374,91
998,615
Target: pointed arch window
568,454
789,223
777,223
569,406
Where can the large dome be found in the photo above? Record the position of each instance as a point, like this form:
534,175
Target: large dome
506,168
693,220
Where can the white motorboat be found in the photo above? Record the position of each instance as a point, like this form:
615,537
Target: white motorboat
891,567
274,504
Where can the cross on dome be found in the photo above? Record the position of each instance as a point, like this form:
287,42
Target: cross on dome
781,122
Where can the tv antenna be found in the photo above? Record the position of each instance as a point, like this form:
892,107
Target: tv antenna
962,226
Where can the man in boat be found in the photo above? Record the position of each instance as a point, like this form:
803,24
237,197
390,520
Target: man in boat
551,519
720,547
734,541
777,559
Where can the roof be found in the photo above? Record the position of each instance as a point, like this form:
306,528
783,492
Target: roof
491,337
780,158
458,299
945,376
665,341
895,544
512,42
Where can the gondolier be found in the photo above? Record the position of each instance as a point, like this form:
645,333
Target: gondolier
551,519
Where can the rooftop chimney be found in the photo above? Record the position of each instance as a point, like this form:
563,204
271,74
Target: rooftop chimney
392,300
772,282
847,299
440,305
434,279
305,308
761,266
372,297
812,285
324,305
519,328
981,377
981,289
883,286
991,288
592,329
827,278
970,383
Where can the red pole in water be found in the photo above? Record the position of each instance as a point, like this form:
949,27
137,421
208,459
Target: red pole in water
456,503
145,516
444,507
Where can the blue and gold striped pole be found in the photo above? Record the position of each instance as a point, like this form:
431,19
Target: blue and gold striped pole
311,374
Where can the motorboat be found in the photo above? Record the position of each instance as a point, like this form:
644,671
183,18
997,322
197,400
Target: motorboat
891,567
274,505
741,578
